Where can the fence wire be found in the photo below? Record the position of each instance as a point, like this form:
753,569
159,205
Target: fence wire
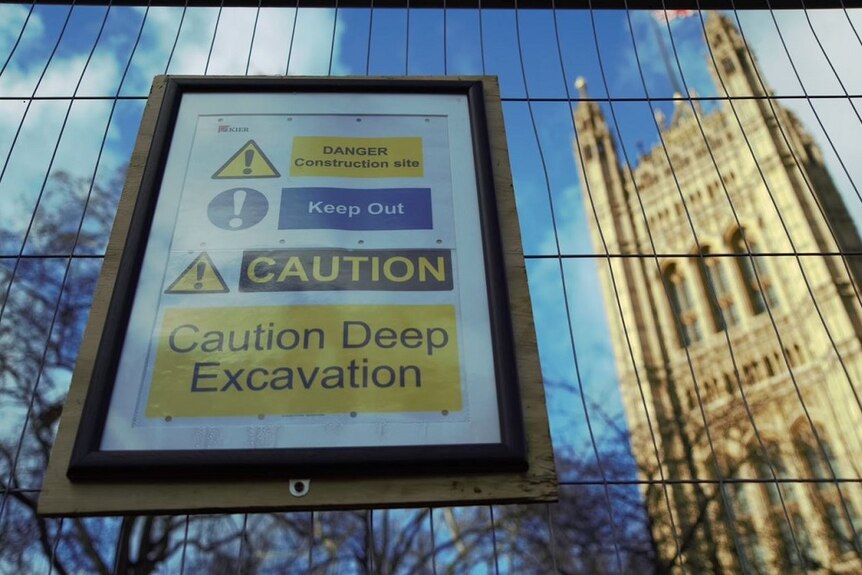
687,182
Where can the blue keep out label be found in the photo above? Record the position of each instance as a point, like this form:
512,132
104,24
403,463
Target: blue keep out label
355,209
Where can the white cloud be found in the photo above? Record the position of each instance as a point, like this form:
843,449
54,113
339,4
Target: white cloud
39,130
162,27
37,127
102,73
271,29
12,18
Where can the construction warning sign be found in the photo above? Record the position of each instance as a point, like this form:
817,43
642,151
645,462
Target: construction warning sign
200,277
314,265
247,162
339,269
306,360
314,276
356,209
357,157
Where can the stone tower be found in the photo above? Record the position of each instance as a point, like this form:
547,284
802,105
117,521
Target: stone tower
736,340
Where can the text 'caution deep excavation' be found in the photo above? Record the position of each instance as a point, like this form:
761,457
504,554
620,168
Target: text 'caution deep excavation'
306,360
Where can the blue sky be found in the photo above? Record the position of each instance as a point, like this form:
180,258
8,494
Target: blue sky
260,43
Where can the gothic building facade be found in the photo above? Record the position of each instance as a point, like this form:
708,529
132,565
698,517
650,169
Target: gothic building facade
736,324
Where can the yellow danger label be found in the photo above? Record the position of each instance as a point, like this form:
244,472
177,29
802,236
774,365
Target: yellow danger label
357,157
200,277
248,162
280,360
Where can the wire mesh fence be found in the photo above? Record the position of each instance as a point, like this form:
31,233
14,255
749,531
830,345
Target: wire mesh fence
688,190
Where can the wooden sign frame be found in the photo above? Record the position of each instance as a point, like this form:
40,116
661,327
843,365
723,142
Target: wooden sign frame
520,468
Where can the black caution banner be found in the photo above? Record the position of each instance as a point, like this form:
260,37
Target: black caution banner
340,269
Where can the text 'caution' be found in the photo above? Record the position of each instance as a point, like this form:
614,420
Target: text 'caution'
340,269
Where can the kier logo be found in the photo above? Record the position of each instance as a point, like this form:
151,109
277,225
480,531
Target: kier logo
226,128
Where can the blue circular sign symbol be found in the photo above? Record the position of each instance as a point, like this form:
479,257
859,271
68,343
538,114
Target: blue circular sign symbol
237,209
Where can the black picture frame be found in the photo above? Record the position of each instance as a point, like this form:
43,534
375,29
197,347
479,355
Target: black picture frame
90,463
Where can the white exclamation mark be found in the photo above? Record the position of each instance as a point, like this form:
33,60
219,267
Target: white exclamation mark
238,201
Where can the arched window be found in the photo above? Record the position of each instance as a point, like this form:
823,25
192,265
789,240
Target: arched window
751,269
682,305
818,462
717,291
770,369
787,557
738,496
811,452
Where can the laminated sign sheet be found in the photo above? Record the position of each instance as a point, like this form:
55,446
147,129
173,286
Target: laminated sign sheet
312,281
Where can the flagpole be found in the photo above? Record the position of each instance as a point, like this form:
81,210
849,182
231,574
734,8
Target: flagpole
671,71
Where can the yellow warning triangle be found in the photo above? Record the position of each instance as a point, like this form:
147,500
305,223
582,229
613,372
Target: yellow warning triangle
248,162
200,277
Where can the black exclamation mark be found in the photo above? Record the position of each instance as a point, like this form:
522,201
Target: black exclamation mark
249,156
200,273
